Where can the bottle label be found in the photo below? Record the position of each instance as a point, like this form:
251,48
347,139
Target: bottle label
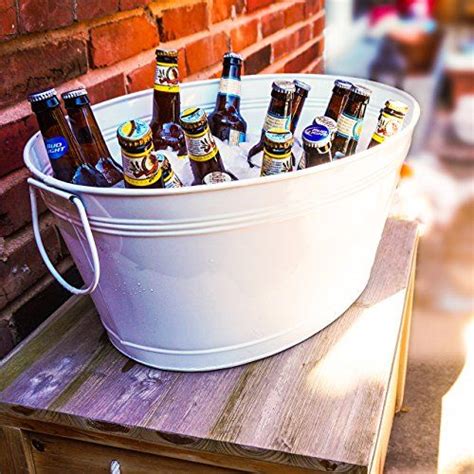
387,126
216,177
349,126
276,121
56,147
166,77
276,164
141,169
201,147
236,137
172,181
302,163
229,86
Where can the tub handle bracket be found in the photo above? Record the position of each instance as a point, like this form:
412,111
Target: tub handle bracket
33,184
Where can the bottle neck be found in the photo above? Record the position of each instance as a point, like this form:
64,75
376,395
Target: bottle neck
166,98
229,87
297,108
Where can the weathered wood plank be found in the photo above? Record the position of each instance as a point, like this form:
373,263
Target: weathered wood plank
319,404
15,454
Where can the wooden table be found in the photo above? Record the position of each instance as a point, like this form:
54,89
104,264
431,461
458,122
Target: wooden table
70,403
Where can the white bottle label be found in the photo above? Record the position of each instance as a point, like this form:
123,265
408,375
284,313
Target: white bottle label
201,147
276,164
236,137
387,126
275,121
229,86
349,126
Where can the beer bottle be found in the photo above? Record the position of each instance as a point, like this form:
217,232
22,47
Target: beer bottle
225,121
277,155
170,178
301,92
141,167
63,150
89,136
390,121
278,113
203,153
327,122
316,146
166,103
349,124
340,93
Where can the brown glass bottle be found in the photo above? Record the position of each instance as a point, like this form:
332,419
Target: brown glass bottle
278,113
64,153
166,104
225,121
390,121
349,124
141,167
277,155
88,134
340,93
316,146
170,178
203,153
301,92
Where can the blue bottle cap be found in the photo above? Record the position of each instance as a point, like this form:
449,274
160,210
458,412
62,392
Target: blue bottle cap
316,136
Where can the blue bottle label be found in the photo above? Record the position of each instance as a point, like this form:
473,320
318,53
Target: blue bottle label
56,147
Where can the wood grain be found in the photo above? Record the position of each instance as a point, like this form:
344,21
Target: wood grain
317,405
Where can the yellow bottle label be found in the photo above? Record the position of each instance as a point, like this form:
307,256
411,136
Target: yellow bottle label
166,77
276,164
387,126
141,169
201,147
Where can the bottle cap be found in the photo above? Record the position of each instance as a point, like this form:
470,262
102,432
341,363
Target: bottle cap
278,138
42,95
301,88
361,90
284,87
134,133
327,122
397,106
74,93
343,84
193,118
166,53
316,136
216,177
230,55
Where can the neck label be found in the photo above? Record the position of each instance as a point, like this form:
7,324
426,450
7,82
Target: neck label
141,169
229,86
201,147
276,121
387,126
166,77
349,126
276,164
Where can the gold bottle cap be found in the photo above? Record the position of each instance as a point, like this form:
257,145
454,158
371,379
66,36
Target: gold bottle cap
166,53
134,133
397,106
278,138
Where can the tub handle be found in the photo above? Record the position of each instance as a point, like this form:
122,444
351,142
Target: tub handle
87,231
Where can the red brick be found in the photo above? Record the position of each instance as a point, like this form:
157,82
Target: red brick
312,6
21,264
8,23
141,78
205,52
41,66
272,23
316,68
284,45
244,35
295,13
13,137
253,5
182,66
130,4
14,202
222,9
258,60
183,21
122,39
107,89
298,63
87,9
318,26
41,15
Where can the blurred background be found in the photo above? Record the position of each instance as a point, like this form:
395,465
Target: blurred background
425,47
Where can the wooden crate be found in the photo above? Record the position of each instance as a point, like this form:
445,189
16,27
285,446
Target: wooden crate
69,402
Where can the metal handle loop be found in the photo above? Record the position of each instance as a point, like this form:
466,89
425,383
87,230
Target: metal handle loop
87,231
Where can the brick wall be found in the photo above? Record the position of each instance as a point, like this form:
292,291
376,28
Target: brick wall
108,46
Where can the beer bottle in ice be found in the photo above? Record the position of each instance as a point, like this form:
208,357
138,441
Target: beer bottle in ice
390,121
204,157
88,134
316,146
170,178
277,155
141,167
166,103
349,124
278,113
340,93
63,151
301,92
225,121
